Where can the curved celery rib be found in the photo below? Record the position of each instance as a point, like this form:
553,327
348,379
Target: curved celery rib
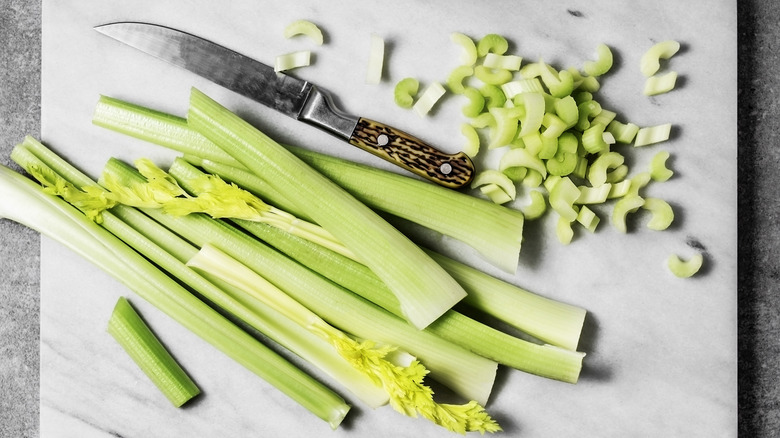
424,290
135,337
23,201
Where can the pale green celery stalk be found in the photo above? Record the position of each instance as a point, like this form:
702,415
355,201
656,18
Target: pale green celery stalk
423,288
466,373
409,395
23,201
539,317
146,350
494,231
170,252
546,361
546,319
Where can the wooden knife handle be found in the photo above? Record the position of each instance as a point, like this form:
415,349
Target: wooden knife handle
449,170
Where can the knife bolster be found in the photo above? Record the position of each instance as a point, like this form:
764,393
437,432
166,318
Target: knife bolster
320,111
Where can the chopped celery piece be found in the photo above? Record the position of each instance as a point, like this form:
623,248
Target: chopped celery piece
658,170
507,121
469,53
289,61
423,288
553,126
490,176
590,84
619,189
623,132
495,193
502,62
588,109
628,204
562,198
638,182
476,102
534,106
306,28
617,174
376,59
662,212
432,93
651,59
652,134
483,120
520,86
532,178
603,61
536,207
685,268
146,350
494,96
593,139
566,109
404,92
456,78
597,172
604,117
61,222
559,83
659,84
493,76
588,218
404,384
520,157
471,148
492,43
564,230
594,195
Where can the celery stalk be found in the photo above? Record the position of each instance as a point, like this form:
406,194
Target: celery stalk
25,202
464,372
424,290
494,231
169,251
546,319
404,383
457,328
146,350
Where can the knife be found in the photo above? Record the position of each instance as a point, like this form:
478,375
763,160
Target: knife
294,97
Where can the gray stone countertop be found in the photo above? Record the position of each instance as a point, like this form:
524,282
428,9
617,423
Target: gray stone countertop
759,230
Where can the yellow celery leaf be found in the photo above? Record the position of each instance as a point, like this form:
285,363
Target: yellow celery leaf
404,385
92,200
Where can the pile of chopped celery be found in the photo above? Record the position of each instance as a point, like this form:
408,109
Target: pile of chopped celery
558,148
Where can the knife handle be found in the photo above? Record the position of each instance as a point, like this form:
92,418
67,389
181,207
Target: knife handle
398,147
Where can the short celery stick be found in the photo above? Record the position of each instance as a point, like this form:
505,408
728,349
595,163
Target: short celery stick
424,290
146,350
61,222
464,372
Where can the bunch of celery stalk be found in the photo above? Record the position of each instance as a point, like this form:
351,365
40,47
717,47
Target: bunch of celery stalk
291,243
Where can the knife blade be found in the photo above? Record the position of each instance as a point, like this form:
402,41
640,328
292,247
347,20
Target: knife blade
294,97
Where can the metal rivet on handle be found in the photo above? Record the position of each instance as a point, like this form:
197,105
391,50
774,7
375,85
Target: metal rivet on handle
382,140
445,168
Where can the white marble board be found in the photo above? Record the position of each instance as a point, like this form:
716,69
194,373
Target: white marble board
661,351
